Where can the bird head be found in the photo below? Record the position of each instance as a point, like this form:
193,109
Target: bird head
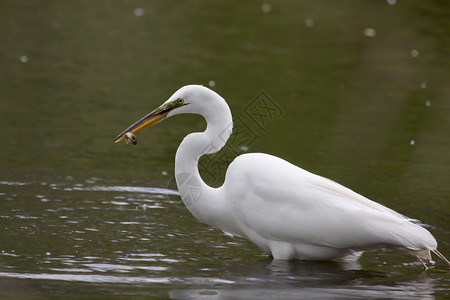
188,99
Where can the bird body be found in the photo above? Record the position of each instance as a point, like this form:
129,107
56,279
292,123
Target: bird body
287,211
318,220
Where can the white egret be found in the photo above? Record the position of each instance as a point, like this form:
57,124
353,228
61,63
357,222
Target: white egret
288,212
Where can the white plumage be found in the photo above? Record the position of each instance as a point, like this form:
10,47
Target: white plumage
288,212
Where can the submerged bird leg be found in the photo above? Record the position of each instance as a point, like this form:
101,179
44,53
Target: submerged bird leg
423,264
438,254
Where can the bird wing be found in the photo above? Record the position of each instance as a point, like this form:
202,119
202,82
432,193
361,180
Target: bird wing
333,188
279,201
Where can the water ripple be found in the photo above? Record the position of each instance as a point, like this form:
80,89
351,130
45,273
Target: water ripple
82,187
90,278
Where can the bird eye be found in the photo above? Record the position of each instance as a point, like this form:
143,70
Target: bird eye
180,101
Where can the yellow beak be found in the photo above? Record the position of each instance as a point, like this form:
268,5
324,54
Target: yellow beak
152,118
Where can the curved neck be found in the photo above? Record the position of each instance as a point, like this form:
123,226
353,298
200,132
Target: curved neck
203,201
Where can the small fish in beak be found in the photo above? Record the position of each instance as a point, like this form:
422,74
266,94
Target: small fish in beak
130,138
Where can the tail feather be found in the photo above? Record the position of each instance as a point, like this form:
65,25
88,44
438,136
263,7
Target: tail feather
420,254
419,242
438,254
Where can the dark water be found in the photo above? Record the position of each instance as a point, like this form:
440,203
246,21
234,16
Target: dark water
359,92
